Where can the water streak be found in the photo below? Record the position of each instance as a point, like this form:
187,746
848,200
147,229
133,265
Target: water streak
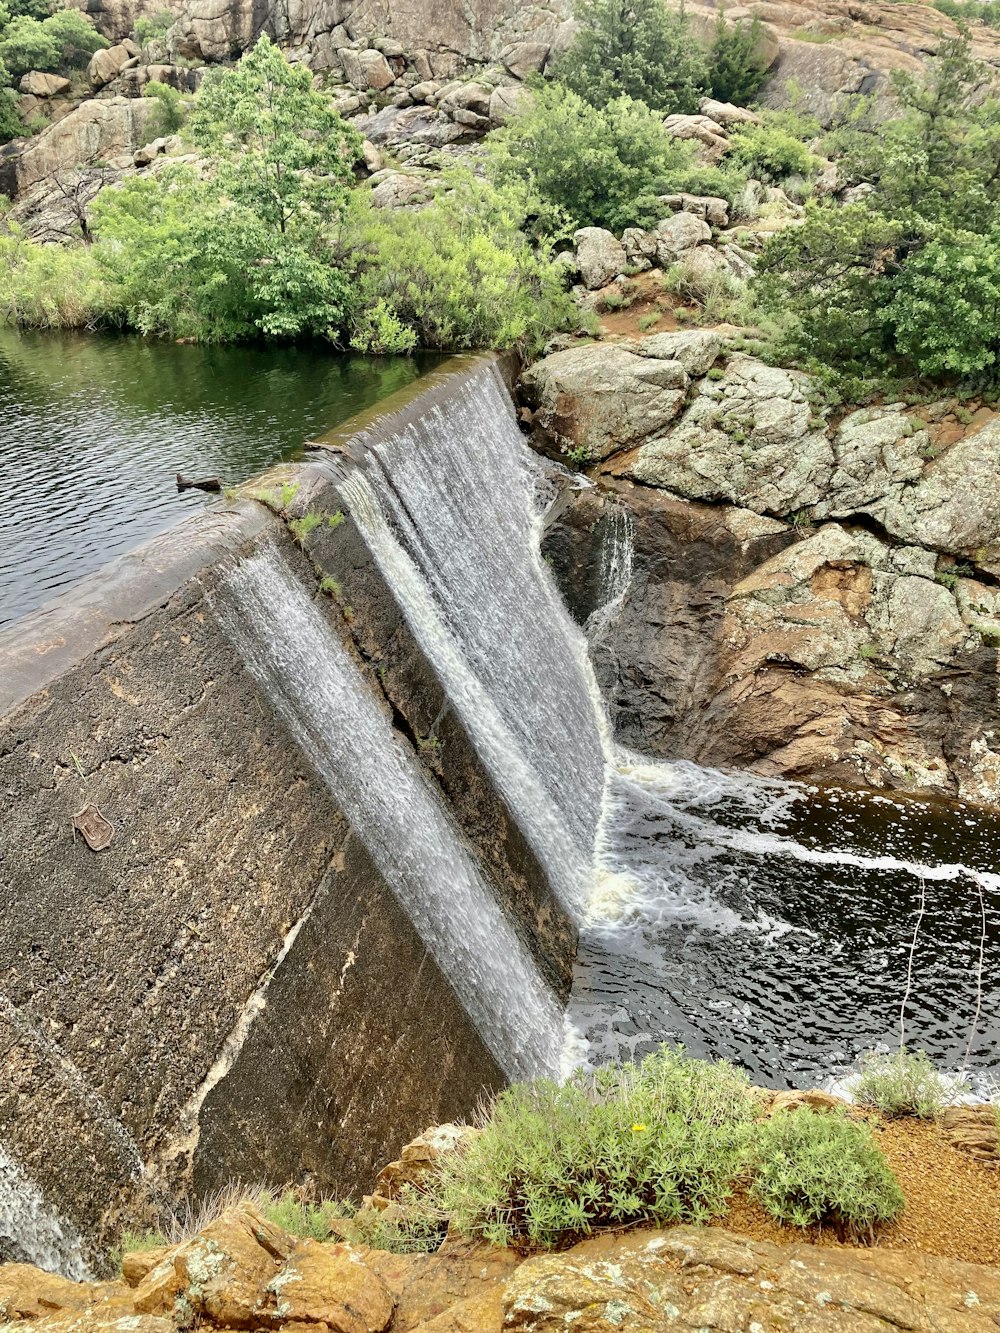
446,506
32,1230
382,788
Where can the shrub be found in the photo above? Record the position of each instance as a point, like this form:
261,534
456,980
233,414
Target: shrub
170,116
735,69
586,166
153,29
49,286
658,1143
459,273
636,49
770,152
904,1083
824,1169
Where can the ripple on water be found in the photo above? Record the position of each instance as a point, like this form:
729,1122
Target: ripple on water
93,429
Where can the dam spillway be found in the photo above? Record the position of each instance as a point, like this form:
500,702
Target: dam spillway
353,752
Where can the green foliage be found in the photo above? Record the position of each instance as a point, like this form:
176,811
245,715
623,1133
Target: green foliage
770,152
817,1169
908,280
249,251
153,29
904,1083
586,166
49,286
283,152
660,1142
171,109
635,49
10,121
129,1242
735,69
458,274
300,528
64,39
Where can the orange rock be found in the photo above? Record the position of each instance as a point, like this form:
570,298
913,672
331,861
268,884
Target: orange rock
329,1285
221,1273
27,1292
428,1286
138,1264
811,1098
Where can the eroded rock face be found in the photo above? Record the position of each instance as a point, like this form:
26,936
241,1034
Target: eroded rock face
97,129
694,1278
826,653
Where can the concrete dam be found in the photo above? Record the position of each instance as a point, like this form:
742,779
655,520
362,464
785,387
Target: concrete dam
349,846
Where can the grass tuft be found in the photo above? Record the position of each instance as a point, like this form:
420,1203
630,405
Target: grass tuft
904,1083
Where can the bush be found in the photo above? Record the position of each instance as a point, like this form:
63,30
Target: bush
657,1143
49,286
904,1083
636,49
459,273
824,1169
64,39
735,69
770,152
588,167
170,115
153,29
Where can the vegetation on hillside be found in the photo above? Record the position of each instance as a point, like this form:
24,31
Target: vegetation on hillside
32,37
272,237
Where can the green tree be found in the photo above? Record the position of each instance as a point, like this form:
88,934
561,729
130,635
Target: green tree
62,40
589,166
250,250
457,274
170,115
635,48
735,69
282,150
905,281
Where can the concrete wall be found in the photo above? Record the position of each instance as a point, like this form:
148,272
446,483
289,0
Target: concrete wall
230,990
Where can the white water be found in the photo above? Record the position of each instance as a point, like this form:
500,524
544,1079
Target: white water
382,788
35,1230
447,508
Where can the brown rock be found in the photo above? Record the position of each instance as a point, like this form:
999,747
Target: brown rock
974,1130
432,1287
221,1273
43,85
419,1155
27,1292
330,1285
138,1264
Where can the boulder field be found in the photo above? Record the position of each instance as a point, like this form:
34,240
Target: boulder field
814,593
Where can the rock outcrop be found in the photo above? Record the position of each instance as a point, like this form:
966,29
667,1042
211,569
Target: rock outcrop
99,129
241,1272
830,585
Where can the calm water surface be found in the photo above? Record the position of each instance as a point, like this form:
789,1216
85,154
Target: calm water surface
93,430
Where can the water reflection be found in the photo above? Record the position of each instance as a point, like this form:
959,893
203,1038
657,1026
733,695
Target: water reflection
93,430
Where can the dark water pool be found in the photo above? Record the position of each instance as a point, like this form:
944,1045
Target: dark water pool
94,429
791,928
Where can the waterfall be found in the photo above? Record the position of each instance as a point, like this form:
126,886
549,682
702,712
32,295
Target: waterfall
379,783
36,1232
446,504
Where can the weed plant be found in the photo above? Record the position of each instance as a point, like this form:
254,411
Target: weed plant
904,1083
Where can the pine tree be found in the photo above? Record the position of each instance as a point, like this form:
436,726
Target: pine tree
635,48
736,69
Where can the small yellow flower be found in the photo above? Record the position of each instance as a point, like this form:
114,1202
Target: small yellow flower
638,1129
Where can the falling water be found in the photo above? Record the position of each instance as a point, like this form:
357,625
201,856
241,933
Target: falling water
30,1230
447,507
617,556
382,788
